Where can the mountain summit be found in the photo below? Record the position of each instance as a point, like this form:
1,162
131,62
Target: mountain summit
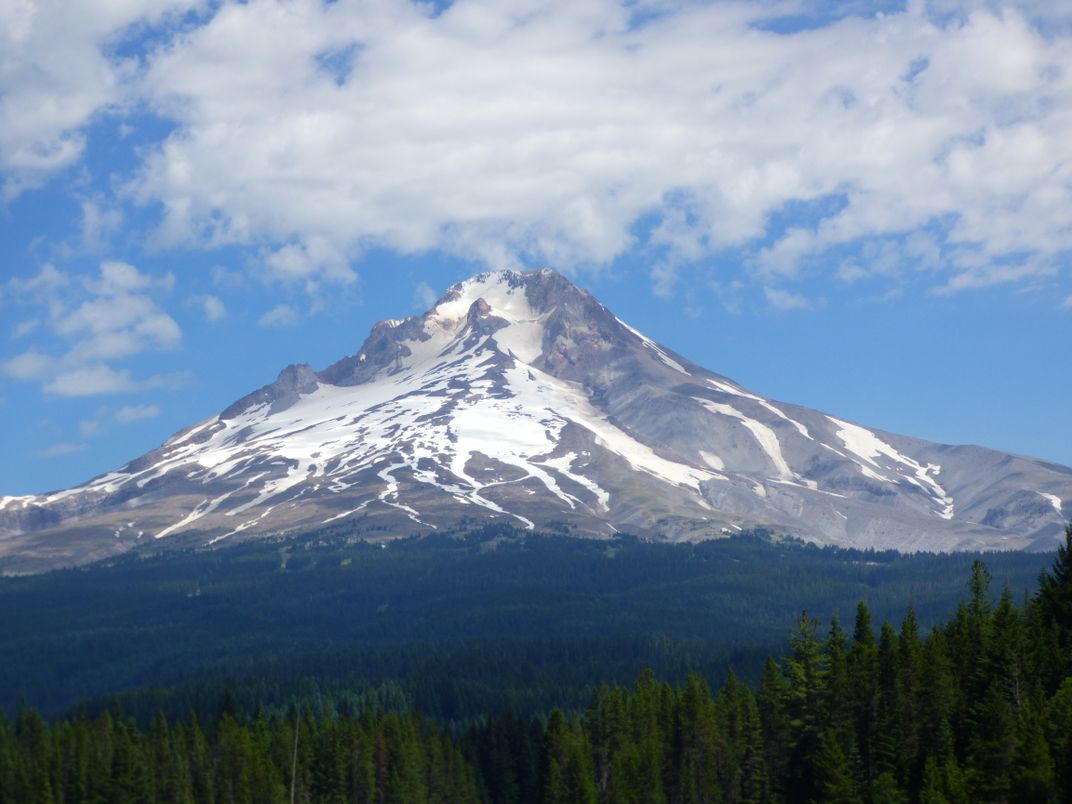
520,398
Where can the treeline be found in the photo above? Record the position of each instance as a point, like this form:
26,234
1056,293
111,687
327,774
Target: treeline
455,685
467,626
977,710
370,758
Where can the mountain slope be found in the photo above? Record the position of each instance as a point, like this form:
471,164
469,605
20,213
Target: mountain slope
521,398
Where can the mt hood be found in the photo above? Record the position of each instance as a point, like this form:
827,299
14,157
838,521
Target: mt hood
520,398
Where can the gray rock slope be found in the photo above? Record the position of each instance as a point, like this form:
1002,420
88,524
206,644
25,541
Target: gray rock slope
520,398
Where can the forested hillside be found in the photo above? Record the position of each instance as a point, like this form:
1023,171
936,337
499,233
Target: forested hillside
979,709
458,627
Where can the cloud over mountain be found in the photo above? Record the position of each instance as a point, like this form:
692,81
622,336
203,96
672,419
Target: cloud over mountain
527,131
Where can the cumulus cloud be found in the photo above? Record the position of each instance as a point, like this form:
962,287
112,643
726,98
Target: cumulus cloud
98,321
531,131
56,74
538,132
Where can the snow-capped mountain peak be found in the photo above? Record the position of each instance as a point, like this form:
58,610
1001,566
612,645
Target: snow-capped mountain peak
519,397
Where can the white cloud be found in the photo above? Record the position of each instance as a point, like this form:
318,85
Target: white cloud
224,277
110,317
100,219
282,315
60,449
117,277
1067,303
424,296
30,365
136,413
212,307
24,328
35,289
850,271
91,380
528,131
91,428
784,300
315,257
55,75
99,378
107,417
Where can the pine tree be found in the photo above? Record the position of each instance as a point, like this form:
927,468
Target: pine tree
1059,736
837,692
990,749
885,790
1055,586
1034,776
754,778
834,779
1054,602
863,675
32,736
805,671
697,745
888,741
909,693
772,701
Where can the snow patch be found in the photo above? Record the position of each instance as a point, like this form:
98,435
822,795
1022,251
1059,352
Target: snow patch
763,434
663,357
202,508
1055,501
564,464
729,389
712,460
868,446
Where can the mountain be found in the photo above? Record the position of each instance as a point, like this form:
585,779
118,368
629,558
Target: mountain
519,398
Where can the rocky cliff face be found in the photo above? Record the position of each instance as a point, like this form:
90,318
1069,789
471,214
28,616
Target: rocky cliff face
519,397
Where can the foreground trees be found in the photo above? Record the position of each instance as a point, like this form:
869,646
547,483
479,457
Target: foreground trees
978,710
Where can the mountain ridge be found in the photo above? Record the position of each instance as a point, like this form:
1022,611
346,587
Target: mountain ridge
520,397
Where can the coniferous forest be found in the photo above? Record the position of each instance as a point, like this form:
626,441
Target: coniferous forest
977,709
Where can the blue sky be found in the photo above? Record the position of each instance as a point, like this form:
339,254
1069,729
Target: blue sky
859,207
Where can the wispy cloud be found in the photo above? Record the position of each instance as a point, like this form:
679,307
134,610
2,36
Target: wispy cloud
784,300
106,418
60,449
136,413
282,315
424,296
24,328
92,380
212,307
98,320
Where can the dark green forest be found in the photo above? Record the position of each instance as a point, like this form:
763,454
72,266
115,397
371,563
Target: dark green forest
457,627
975,708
